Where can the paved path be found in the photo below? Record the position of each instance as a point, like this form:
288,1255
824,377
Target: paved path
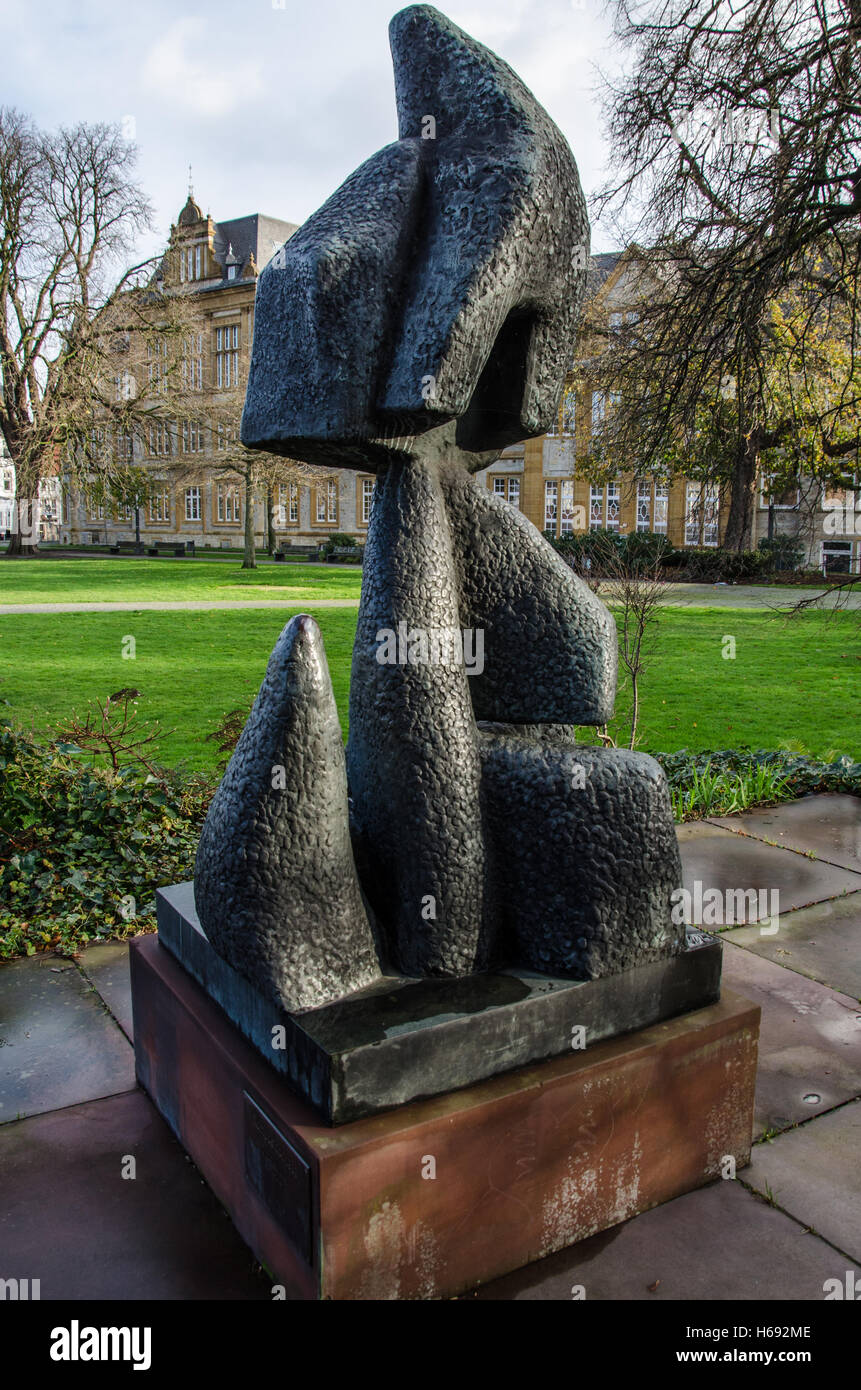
787,1225
179,605
746,596
675,596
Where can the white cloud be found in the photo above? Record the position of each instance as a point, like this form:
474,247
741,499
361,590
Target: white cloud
196,82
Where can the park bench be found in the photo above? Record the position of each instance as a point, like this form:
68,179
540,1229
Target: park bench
346,554
185,548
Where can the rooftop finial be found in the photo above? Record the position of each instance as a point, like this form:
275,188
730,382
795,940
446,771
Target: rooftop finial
190,184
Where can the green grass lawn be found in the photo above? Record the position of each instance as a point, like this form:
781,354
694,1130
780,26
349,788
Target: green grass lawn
124,580
792,683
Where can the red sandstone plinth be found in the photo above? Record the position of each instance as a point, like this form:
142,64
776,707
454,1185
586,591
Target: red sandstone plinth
432,1198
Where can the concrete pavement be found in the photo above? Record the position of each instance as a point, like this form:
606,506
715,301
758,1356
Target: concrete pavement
70,1115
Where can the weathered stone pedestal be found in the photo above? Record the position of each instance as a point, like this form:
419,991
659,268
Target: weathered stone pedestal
436,1196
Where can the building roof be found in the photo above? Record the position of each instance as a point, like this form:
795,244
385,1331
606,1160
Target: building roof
255,235
601,267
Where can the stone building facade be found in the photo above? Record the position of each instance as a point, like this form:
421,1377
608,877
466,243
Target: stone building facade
218,263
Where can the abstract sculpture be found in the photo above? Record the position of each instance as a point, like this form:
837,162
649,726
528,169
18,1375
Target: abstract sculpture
417,324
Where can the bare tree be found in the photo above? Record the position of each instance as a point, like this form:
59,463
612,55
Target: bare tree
631,579
736,130
70,213
255,473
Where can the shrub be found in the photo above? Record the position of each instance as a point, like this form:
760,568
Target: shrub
707,566
784,552
82,848
338,538
735,779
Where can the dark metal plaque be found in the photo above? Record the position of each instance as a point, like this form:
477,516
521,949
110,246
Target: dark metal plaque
280,1176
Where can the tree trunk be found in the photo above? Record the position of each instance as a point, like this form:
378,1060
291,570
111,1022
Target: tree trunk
270,519
249,557
25,527
739,526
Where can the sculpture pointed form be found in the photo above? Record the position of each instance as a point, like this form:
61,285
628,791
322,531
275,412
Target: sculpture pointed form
275,883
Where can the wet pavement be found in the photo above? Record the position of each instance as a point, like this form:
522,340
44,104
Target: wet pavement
98,1200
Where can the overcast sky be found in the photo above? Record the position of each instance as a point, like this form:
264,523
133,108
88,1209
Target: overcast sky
273,107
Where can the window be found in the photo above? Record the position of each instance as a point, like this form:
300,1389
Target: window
192,437
644,505
192,504
596,508
123,386
836,557
839,496
288,504
599,410
157,361
566,523
614,504
191,263
225,437
569,401
508,489
228,503
125,447
192,363
702,509
784,497
368,485
662,505
159,502
327,502
227,357
97,443
160,442
551,506
616,321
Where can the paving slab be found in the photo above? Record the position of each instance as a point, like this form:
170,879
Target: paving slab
814,1174
822,942
719,1243
716,858
58,1045
809,1041
827,825
70,1219
106,966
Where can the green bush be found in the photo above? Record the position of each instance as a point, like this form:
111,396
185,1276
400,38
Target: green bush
736,779
715,566
338,538
83,848
601,551
784,552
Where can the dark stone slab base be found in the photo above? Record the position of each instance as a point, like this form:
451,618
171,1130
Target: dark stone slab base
444,1194
402,1039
